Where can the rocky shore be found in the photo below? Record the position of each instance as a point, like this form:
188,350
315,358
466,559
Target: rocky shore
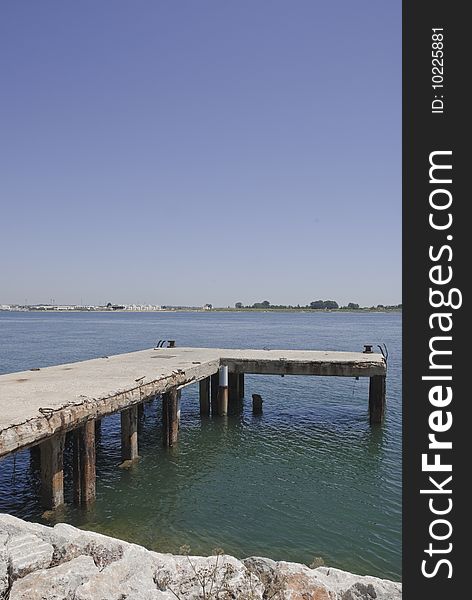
65,563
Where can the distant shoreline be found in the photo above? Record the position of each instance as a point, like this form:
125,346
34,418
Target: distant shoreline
215,310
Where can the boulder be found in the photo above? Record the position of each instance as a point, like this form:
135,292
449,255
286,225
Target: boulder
131,577
298,582
4,579
358,587
191,577
13,526
27,553
293,581
71,542
56,583
66,563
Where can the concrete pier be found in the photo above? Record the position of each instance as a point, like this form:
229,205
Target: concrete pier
38,407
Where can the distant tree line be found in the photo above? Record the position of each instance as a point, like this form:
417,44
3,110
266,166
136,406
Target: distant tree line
317,305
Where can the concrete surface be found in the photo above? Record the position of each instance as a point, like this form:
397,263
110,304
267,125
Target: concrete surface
36,404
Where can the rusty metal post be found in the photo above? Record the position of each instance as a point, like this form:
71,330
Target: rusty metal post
223,392
377,392
205,397
241,385
257,404
233,388
214,383
35,457
84,468
170,419
140,410
129,433
52,473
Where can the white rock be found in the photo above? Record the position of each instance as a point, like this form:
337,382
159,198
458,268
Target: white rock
56,583
27,553
3,566
189,576
92,566
357,587
130,577
14,526
299,582
71,542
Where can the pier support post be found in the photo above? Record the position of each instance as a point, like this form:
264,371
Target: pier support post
223,392
179,403
84,473
233,387
241,385
214,383
98,431
52,475
205,397
377,388
35,457
129,433
170,419
257,404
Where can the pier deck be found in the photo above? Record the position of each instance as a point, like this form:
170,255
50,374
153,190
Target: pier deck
38,407
38,403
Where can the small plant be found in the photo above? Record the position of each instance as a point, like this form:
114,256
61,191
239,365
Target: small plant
213,581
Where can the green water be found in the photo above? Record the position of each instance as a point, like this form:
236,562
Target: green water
308,478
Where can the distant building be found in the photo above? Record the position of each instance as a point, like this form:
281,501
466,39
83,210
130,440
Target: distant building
207,306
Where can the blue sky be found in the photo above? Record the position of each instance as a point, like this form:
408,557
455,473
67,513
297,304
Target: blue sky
190,152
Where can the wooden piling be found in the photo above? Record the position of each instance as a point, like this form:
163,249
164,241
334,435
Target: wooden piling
223,392
179,403
84,470
241,385
214,383
140,409
377,390
129,433
52,474
233,387
205,397
170,418
257,404
35,457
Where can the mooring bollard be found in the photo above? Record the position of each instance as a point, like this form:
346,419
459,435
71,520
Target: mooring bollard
257,404
223,392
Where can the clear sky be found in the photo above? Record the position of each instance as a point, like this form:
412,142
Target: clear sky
186,152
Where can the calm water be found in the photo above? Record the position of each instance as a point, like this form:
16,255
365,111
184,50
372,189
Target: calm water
308,478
